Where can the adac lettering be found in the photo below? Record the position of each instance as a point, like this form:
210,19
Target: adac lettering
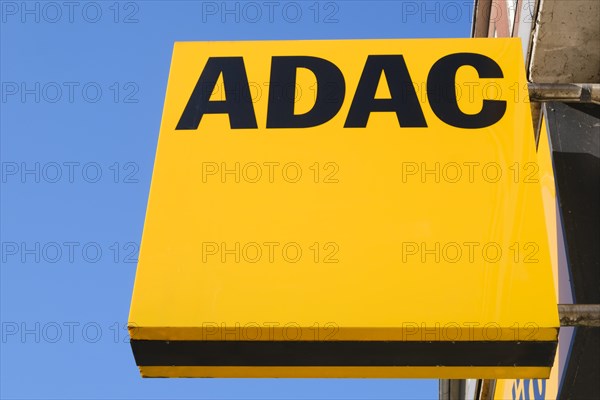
331,92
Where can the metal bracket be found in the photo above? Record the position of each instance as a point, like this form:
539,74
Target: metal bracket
565,92
579,315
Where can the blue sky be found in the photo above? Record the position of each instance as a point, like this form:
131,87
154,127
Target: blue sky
82,90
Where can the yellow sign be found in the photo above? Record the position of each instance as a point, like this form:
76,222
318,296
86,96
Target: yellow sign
352,208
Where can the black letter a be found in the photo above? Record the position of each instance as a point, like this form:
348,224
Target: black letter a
237,103
403,102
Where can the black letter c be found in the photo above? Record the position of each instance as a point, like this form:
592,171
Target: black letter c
442,92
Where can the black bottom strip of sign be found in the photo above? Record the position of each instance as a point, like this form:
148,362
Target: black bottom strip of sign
342,353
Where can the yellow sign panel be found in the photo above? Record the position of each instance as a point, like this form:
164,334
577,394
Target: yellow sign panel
352,208
541,389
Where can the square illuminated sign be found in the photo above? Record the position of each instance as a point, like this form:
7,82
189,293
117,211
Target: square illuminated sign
351,208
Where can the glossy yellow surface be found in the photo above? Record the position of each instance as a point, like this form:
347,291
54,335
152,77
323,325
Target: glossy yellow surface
357,205
512,389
